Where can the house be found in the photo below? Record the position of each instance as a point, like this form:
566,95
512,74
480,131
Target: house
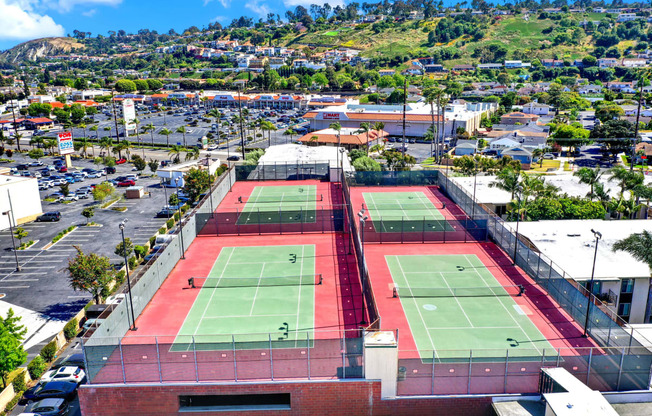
589,89
536,108
463,68
415,15
518,117
490,66
466,147
516,64
433,68
383,72
413,70
502,143
634,63
607,62
37,123
552,63
625,87
518,153
627,17
644,153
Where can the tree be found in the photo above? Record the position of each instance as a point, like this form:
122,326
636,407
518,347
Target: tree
20,233
149,128
12,354
88,213
125,85
638,246
182,129
590,177
35,154
140,164
627,180
90,273
153,165
192,153
166,133
397,160
124,249
102,191
175,152
507,180
366,164
196,183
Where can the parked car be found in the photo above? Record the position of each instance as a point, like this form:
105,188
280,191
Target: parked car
166,213
548,156
62,169
22,167
95,174
36,163
68,198
121,161
125,183
66,373
233,158
75,360
49,216
48,407
54,389
82,194
110,170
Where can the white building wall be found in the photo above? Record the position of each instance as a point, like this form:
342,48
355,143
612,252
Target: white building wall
25,200
639,300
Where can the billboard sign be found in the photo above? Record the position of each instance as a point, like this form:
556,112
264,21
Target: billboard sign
330,116
66,145
129,114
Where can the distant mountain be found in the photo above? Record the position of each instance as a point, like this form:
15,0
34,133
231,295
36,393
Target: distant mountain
38,48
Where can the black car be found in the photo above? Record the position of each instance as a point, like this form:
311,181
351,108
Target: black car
22,167
52,390
110,170
49,216
233,158
72,360
166,213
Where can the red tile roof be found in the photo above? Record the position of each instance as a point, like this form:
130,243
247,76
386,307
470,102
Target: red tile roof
350,139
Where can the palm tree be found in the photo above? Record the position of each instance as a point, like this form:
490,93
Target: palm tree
105,144
364,128
638,246
590,177
83,126
289,132
50,144
36,141
433,95
174,152
182,129
126,146
192,153
507,180
18,137
137,123
378,126
215,113
627,180
94,129
166,133
338,128
150,128
84,145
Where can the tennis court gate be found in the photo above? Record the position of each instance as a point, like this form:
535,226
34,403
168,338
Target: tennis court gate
283,171
458,227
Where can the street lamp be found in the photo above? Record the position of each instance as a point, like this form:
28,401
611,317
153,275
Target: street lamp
598,236
363,218
210,188
165,191
518,218
475,182
13,241
183,250
124,248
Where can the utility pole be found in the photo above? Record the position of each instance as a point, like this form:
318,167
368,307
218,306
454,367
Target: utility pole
404,110
638,116
13,112
241,125
115,120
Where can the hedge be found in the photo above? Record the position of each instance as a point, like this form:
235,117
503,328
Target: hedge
71,329
49,352
37,367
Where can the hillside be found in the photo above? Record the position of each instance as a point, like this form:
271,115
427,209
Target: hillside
38,48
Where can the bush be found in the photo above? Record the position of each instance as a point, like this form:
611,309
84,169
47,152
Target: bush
184,208
133,262
152,241
120,277
19,382
49,352
170,223
71,329
176,216
162,230
140,251
37,367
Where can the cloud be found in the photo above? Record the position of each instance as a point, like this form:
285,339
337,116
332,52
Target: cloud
67,5
220,19
18,21
260,9
90,13
307,3
224,3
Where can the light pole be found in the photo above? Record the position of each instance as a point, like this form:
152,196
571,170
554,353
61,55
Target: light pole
165,191
518,218
124,248
183,250
475,182
210,188
598,236
363,218
13,241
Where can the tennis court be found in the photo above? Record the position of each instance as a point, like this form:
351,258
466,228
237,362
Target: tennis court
453,302
256,291
392,212
279,205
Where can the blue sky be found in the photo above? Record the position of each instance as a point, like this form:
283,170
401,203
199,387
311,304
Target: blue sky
22,20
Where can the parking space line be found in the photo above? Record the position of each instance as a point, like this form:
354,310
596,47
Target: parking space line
13,287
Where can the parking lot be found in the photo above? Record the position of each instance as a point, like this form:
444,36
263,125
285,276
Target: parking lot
42,284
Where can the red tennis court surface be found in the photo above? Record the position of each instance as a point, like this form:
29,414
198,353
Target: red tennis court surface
557,327
331,192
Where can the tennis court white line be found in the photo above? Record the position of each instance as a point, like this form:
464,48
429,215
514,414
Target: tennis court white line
416,305
478,327
242,316
253,301
210,300
458,301
503,305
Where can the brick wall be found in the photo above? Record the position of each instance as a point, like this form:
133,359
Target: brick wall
338,397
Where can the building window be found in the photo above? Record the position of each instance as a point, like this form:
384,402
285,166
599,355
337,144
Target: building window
224,402
627,286
624,310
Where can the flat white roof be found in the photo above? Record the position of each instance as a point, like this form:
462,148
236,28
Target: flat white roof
571,245
294,153
566,183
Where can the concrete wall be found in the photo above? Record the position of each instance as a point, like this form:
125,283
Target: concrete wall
25,200
639,300
333,397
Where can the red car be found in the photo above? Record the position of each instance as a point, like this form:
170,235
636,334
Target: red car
121,161
128,182
63,169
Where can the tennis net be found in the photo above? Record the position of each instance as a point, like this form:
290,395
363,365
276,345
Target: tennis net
278,199
421,204
216,282
440,292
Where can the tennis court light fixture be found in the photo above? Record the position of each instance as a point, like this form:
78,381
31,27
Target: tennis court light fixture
598,237
131,302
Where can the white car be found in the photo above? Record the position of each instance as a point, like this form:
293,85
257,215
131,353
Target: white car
73,374
69,198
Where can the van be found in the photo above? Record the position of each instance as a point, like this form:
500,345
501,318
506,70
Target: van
163,239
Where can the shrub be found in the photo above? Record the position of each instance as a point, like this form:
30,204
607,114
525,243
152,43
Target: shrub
184,208
140,251
71,329
19,382
152,241
133,262
170,223
120,277
176,216
49,352
37,367
161,230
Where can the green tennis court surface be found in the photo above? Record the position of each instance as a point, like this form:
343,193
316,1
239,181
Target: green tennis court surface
490,320
395,212
247,304
280,205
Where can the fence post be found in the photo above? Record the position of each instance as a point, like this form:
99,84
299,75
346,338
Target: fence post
235,362
620,368
280,219
588,367
194,353
122,363
466,227
608,335
558,356
402,225
158,360
271,357
423,230
506,370
343,356
308,349
301,218
432,382
258,211
468,385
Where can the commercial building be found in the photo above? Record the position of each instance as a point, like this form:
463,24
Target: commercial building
19,197
418,117
349,138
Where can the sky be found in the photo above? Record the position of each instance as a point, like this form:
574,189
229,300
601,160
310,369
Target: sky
22,20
